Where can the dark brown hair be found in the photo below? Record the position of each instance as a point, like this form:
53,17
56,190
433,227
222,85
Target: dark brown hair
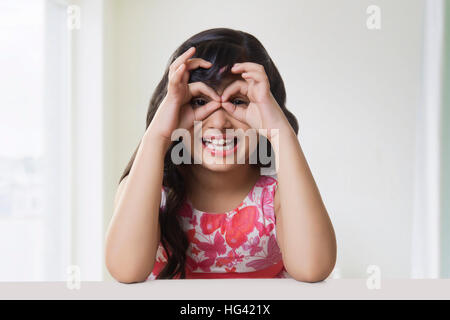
223,47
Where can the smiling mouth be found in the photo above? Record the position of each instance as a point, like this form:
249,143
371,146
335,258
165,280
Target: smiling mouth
221,146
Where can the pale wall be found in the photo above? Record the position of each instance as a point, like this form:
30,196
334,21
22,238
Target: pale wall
354,91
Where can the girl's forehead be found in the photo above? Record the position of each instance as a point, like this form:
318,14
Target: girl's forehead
226,81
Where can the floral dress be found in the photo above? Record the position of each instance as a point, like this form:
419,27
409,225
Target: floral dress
240,243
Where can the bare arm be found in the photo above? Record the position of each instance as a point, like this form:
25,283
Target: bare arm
133,235
305,234
304,231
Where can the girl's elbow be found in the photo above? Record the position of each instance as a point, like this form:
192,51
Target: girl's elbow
131,279
125,274
128,277
311,277
312,272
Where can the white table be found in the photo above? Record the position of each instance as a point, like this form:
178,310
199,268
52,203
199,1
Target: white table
225,289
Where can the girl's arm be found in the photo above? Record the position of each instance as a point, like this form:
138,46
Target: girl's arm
305,234
133,235
304,230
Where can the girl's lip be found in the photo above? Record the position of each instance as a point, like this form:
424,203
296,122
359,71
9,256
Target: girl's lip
221,153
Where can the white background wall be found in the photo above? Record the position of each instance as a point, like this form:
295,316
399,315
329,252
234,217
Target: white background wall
355,92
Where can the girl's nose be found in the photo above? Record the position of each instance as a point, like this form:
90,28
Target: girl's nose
219,119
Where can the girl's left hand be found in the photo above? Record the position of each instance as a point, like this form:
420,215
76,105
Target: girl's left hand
263,111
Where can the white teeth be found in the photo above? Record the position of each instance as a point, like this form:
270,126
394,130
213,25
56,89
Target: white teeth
219,148
219,144
218,141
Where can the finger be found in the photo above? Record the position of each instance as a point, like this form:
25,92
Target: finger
238,86
197,88
254,75
236,112
247,67
204,111
186,77
176,78
182,58
194,63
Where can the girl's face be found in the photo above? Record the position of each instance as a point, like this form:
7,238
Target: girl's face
220,142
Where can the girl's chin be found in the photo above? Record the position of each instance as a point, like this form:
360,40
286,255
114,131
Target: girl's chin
216,163
219,167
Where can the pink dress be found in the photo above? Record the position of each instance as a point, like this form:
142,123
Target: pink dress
240,243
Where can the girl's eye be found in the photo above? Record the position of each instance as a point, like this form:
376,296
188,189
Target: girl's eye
238,102
197,102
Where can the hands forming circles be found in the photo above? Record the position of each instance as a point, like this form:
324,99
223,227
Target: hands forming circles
180,92
261,113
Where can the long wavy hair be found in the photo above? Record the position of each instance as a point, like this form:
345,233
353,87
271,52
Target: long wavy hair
223,47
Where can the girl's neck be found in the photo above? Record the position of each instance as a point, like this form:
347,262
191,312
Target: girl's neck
233,184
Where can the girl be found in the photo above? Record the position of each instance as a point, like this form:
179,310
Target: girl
212,217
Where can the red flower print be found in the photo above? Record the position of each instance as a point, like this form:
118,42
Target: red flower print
215,249
264,230
195,251
239,226
193,221
273,256
230,259
204,265
265,181
191,236
186,210
223,261
210,222
160,262
231,270
158,266
253,246
237,257
252,193
161,254
267,196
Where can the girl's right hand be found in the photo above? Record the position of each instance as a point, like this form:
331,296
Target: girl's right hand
176,110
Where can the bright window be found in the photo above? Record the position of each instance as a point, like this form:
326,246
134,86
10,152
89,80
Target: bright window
34,179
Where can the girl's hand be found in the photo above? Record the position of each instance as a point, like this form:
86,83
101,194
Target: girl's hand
176,110
263,111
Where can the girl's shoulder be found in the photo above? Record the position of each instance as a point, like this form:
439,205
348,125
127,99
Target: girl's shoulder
266,185
267,181
264,189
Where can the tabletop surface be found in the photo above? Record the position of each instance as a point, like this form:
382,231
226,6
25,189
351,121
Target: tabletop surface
225,289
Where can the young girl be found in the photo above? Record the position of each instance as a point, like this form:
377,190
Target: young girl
215,216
